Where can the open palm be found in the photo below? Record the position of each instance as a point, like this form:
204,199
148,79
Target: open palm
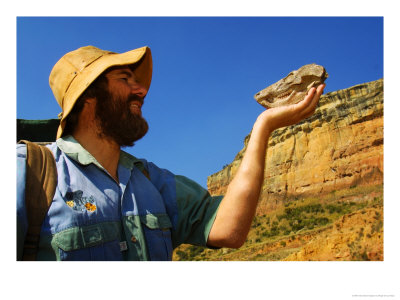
291,114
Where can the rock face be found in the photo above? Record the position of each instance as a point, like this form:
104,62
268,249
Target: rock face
340,146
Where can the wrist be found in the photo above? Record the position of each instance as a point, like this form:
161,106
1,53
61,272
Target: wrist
263,124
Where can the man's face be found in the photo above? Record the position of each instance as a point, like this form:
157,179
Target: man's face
122,83
119,111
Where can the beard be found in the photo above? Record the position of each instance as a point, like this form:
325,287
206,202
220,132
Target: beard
116,121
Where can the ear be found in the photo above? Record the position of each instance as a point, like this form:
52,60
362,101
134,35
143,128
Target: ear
88,109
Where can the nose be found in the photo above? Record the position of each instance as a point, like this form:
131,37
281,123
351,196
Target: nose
138,89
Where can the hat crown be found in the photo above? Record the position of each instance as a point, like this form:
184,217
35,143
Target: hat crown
84,56
69,66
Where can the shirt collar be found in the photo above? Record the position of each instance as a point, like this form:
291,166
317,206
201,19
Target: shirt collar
74,150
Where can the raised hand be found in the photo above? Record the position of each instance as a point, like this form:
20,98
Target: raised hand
274,118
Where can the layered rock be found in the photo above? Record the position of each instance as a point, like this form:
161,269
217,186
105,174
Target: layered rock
340,146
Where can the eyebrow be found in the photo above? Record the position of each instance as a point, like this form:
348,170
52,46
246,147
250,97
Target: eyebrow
124,72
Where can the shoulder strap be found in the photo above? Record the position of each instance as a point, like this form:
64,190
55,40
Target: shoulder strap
40,186
146,173
142,169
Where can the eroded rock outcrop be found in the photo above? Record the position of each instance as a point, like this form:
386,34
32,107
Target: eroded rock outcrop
340,146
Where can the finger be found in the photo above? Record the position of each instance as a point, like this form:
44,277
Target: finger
309,111
306,108
320,89
315,97
302,105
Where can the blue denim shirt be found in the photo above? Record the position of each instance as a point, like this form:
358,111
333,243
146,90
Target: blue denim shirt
93,217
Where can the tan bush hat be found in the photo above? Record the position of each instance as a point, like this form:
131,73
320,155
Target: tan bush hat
76,70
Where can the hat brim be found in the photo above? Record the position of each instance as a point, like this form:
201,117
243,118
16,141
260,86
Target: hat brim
83,79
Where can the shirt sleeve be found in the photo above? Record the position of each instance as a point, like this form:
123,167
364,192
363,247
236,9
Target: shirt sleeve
197,210
191,208
22,219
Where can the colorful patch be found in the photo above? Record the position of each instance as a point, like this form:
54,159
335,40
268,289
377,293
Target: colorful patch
76,201
90,206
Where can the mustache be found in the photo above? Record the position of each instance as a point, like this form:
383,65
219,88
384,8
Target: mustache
136,98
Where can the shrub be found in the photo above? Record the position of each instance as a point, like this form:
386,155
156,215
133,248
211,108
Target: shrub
266,233
364,256
377,226
322,221
182,255
274,231
280,217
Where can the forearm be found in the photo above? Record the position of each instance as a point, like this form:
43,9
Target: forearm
238,207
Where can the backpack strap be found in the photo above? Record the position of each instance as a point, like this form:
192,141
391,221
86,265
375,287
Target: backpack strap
140,165
40,186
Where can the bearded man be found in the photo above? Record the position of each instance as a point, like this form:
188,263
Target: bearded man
109,205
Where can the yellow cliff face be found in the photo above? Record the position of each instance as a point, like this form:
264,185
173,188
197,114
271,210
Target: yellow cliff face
340,146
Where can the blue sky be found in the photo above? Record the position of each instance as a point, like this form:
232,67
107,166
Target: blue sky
200,105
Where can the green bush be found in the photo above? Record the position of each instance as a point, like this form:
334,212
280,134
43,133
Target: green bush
182,255
287,232
322,221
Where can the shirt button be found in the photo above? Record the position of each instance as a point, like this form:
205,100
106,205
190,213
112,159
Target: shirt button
133,239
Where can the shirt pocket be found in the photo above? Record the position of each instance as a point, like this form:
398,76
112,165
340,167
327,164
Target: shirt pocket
92,242
157,231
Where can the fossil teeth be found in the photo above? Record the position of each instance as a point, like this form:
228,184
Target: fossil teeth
284,95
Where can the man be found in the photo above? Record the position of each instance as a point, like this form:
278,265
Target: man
109,205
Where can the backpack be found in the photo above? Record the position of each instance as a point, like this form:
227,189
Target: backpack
40,186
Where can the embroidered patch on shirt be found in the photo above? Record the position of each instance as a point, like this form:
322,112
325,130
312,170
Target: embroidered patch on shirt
76,201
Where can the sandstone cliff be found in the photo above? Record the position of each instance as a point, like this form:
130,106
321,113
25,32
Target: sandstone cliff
340,146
